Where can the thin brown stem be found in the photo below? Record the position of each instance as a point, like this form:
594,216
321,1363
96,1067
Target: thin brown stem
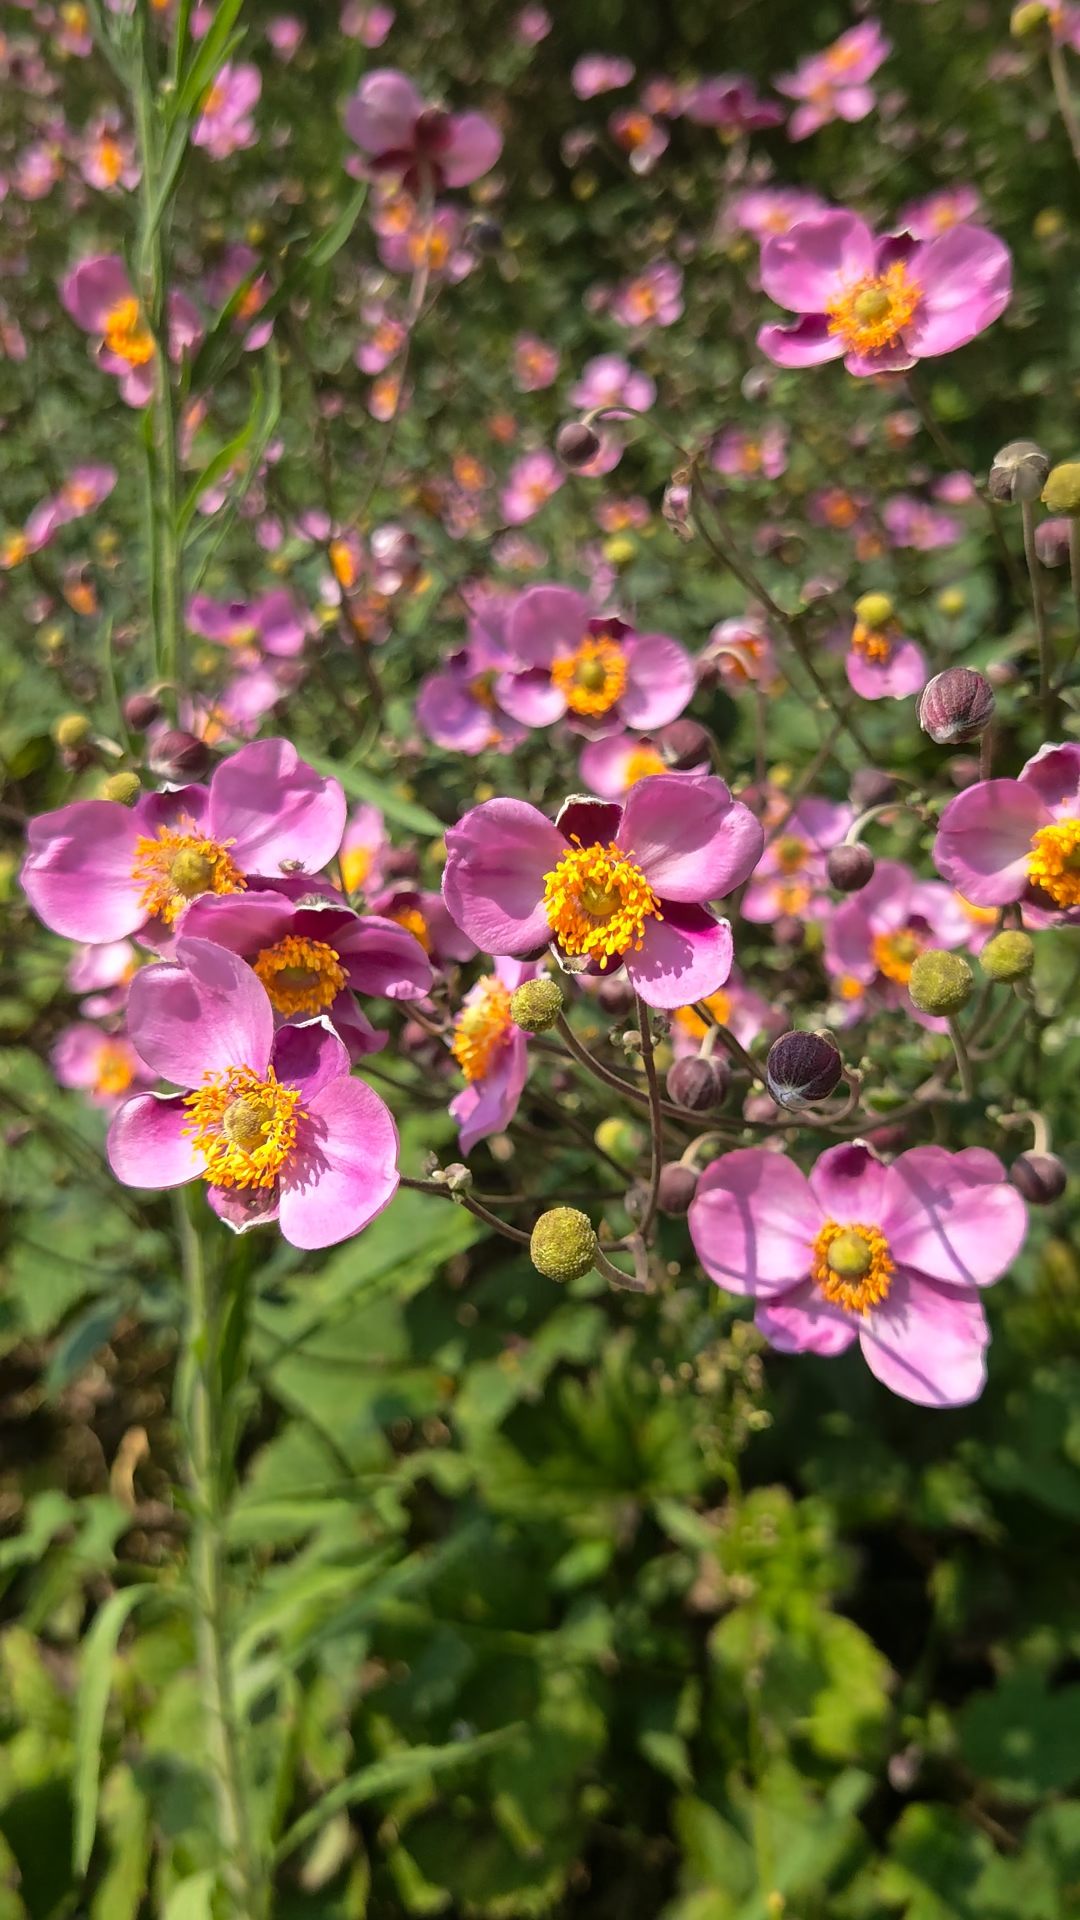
955,459
1059,74
1034,567
656,1121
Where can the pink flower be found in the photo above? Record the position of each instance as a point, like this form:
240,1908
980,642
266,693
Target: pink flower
600,73
491,1052
105,1066
84,489
611,766
790,877
956,489
610,382
949,207
640,136
107,160
746,455
424,915
423,240
882,664
272,1122
911,523
881,305
389,120
873,939
765,211
37,170
601,672
273,623
741,652
651,298
225,124
103,974
368,24
98,871
532,481
536,364
237,265
893,1254
313,957
532,25
99,297
729,102
1005,840
363,849
833,84
285,34
382,346
609,886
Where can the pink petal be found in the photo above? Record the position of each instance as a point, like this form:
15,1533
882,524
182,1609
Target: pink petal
966,277
805,268
276,808
849,1184
896,358
854,103
379,957
451,716
200,1014
903,673
604,765
692,841
382,114
803,1321
488,1105
244,1207
984,839
686,956
1054,774
660,681
927,1342
308,1056
806,342
493,883
147,1146
942,1217
343,1171
93,287
475,145
753,1221
545,622
531,697
78,874
244,922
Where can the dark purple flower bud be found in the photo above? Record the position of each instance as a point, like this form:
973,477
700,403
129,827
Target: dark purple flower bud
678,1185
1040,1177
1052,542
576,444
675,507
683,744
697,1084
432,132
955,705
849,868
871,788
141,710
802,1068
1018,472
616,996
179,756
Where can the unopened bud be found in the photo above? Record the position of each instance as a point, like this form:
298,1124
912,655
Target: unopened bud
871,788
849,868
178,755
678,1185
1028,18
1040,1177
697,1084
955,705
536,1004
874,609
1008,956
563,1244
1019,471
71,732
125,787
1062,490
1052,542
683,744
941,983
620,1140
458,1178
675,507
576,444
951,602
141,710
803,1068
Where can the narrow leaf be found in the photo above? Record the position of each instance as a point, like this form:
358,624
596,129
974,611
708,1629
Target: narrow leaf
361,785
390,1776
95,1685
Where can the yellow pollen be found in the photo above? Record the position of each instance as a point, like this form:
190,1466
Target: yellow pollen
343,563
246,1127
870,314
482,1028
1054,862
593,677
851,1265
481,685
792,896
300,976
13,549
356,864
413,922
127,334
791,853
641,763
114,1070
850,987
691,1022
874,643
176,867
597,901
896,953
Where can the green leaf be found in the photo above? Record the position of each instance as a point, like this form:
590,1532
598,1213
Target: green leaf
95,1685
398,1771
334,239
191,1900
361,785
1023,1738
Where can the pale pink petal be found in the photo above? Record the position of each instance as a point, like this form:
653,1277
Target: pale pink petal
849,1185
276,809
147,1144
942,1216
200,1014
546,622
382,114
660,681
692,841
1054,774
309,1056
493,883
927,1342
488,1105
805,268
966,277
343,1170
803,1321
806,342
474,147
683,957
78,874
984,839
753,1222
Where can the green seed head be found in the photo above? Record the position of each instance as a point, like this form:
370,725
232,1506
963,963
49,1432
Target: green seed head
940,982
72,730
563,1244
125,787
536,1004
1008,956
1062,490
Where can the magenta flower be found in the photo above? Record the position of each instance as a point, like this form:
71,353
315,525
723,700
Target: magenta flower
107,160
729,102
740,652
312,957
236,265
880,305
882,664
1005,840
957,489
97,870
649,299
611,766
790,877
766,211
424,915
382,345
600,73
873,939
949,207
491,1052
273,623
610,382
104,975
641,137
363,850
368,24
608,886
225,124
748,455
532,481
460,707
37,170
893,1254
390,122
910,522
285,34
98,295
832,85
532,25
536,364
600,672
104,1066
272,1122
84,489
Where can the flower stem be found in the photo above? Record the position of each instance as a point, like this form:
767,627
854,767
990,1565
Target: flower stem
1059,74
967,1078
955,459
656,1118
1046,692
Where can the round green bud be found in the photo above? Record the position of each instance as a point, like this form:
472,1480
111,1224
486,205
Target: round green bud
71,731
873,609
1008,956
940,982
1062,490
619,1138
1028,17
536,1004
951,602
563,1244
125,787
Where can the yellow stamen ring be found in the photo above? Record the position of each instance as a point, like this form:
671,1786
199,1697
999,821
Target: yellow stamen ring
592,677
246,1127
1054,862
870,314
176,867
482,1028
896,953
597,901
300,976
852,1266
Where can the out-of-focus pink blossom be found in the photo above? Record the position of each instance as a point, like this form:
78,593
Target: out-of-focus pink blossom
873,939
609,381
790,878
937,212
225,124
285,34
536,363
367,23
532,481
882,664
532,25
750,455
390,122
382,345
12,339
832,85
491,1052
764,211
912,523
649,299
273,623
37,170
600,73
73,35
741,653
641,137
617,516
729,102
364,846
237,264
104,1066
956,489
107,157
610,767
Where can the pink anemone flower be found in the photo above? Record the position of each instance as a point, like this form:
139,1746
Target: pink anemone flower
104,975
532,481
911,522
460,706
880,305
882,664
225,124
790,877
536,363
99,297
730,102
272,1121
895,1255
600,73
104,1066
832,85
611,766
873,939
765,211
748,456
609,381
273,623
949,207
652,298
425,916
491,1052
641,138
363,850
391,122
600,672
740,652
608,886
313,955
97,871
1005,840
